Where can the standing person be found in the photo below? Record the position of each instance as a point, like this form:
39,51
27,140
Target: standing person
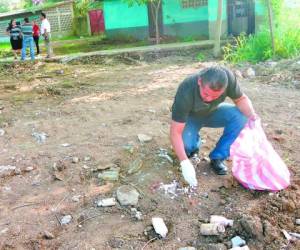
199,103
46,33
36,36
14,31
27,31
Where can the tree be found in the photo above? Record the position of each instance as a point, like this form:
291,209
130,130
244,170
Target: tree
217,45
155,6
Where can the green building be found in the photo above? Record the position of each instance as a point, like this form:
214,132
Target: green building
182,18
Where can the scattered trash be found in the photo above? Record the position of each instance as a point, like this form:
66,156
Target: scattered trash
135,166
297,221
127,195
49,236
160,226
66,219
108,202
40,137
164,154
109,175
87,158
211,229
237,241
240,248
286,235
250,73
65,145
173,189
75,160
2,132
129,148
3,231
296,235
85,167
221,220
7,170
28,169
76,198
186,248
136,214
144,138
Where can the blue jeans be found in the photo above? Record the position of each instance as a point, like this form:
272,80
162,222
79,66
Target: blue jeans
27,41
226,116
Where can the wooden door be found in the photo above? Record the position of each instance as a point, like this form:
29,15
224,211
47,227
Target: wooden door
96,21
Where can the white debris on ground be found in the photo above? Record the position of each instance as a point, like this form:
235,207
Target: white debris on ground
174,190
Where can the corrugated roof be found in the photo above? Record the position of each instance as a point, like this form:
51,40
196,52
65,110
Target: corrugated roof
24,11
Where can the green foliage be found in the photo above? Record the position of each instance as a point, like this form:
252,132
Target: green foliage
200,57
258,47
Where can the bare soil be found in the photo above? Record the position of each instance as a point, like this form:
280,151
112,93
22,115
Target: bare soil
99,110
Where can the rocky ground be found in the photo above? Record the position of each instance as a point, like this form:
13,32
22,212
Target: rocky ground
73,135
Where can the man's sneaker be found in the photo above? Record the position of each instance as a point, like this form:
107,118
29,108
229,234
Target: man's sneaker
195,160
219,166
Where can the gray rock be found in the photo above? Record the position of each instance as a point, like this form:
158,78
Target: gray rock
66,219
75,160
237,241
127,195
144,138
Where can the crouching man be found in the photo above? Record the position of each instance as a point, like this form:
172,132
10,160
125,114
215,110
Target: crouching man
199,102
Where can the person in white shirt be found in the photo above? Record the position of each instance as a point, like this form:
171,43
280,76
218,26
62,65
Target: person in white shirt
46,33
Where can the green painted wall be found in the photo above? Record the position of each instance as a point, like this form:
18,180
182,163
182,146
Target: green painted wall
118,15
174,13
213,10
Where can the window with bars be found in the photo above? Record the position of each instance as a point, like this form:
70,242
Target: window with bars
185,4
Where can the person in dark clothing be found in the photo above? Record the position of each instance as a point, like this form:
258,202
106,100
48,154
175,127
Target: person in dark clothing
14,31
36,36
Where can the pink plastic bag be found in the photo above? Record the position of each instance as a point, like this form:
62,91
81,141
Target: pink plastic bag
255,163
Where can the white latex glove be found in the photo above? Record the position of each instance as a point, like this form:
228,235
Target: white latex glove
188,172
253,120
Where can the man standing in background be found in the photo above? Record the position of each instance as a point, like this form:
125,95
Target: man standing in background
27,32
46,33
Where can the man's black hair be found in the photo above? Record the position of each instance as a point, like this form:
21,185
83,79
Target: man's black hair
215,77
43,14
26,20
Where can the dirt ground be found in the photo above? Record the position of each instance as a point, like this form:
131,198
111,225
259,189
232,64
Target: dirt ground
94,113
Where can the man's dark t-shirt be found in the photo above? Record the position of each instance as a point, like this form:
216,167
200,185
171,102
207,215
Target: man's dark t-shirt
188,101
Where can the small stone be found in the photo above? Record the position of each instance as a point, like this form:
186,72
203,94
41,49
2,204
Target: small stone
28,169
7,170
48,235
76,198
144,138
237,241
2,132
87,158
85,167
297,221
3,231
109,175
66,219
136,214
108,202
127,195
17,171
75,160
40,137
65,145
